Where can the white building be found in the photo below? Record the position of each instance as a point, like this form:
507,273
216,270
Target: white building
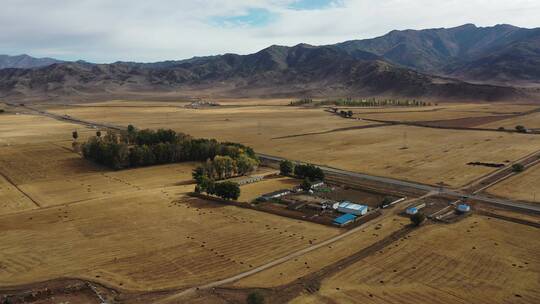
348,207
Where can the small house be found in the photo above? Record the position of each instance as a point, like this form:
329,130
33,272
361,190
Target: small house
276,194
411,211
344,219
463,208
317,185
356,209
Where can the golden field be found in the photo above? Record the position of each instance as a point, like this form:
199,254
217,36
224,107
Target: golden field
530,121
413,153
478,260
524,186
137,230
133,229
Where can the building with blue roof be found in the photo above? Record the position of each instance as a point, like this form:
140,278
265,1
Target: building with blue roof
344,219
464,208
411,210
348,207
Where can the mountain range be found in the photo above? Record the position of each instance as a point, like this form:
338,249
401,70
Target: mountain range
25,62
462,63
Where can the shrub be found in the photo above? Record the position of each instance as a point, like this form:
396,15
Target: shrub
386,201
417,219
309,171
306,184
255,298
227,190
521,129
286,167
518,168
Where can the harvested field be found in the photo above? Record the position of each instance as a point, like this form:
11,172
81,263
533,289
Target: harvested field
20,129
444,112
252,191
41,162
466,122
133,230
255,123
11,199
432,155
524,186
145,240
458,263
313,261
531,121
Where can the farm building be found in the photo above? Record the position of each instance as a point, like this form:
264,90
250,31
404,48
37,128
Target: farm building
245,180
463,208
344,219
348,207
414,209
275,194
317,185
411,210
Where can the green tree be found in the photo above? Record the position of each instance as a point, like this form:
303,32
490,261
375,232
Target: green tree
227,190
75,135
521,129
518,168
255,298
98,134
386,201
306,184
309,171
245,164
286,167
225,166
417,219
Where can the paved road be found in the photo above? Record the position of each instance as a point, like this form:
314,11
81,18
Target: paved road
419,186
380,179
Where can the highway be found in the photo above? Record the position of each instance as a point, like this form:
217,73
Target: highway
418,186
383,180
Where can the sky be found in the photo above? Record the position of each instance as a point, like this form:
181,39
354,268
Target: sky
105,31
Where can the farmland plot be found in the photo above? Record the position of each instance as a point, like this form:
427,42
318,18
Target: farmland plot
413,153
459,263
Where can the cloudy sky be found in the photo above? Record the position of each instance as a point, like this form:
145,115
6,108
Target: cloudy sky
143,30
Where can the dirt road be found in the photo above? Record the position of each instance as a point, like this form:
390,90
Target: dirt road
190,291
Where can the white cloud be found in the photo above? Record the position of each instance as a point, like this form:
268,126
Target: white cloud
104,30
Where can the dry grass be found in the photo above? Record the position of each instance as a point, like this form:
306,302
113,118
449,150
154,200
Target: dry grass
432,156
531,121
11,199
132,229
441,112
252,191
313,261
478,260
19,129
523,186
144,241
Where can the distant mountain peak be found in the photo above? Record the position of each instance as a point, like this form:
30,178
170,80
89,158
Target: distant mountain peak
25,61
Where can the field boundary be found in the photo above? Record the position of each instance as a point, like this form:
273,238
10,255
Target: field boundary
19,189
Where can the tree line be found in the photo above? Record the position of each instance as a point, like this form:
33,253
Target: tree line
302,171
137,148
366,102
